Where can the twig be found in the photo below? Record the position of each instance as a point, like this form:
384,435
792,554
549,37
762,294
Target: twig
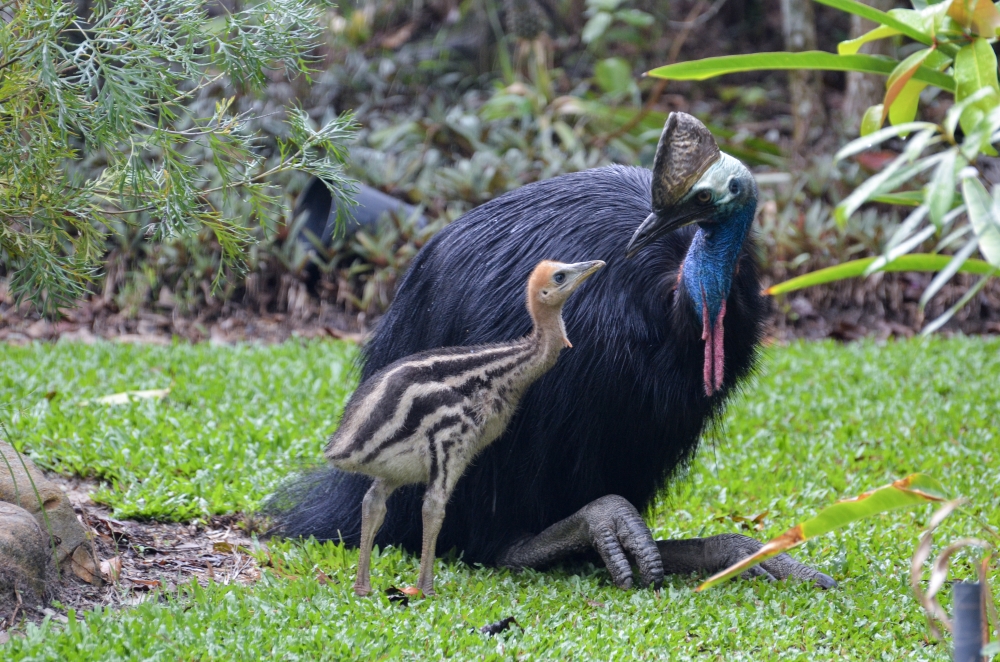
689,23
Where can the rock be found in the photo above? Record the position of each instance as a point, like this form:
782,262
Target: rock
51,507
25,559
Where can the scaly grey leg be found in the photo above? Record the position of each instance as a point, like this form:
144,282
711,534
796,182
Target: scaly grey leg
372,515
719,552
612,526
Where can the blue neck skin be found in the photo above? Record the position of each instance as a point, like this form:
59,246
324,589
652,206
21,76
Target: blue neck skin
711,260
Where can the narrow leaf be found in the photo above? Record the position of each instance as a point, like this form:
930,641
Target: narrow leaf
819,60
854,268
880,17
966,298
940,190
902,198
910,491
859,145
983,215
851,46
949,271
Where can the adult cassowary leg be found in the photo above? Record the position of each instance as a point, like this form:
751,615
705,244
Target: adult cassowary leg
612,526
717,553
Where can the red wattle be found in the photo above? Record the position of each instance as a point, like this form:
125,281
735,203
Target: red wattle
714,369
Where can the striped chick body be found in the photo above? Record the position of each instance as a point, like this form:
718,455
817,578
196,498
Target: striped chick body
425,417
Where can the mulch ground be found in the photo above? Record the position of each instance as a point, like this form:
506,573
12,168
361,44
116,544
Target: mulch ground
144,560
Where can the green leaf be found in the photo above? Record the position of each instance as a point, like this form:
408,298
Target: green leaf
851,46
984,215
859,145
882,18
975,70
900,76
595,27
817,60
854,268
635,17
871,121
978,14
613,75
940,190
904,109
950,270
902,198
913,490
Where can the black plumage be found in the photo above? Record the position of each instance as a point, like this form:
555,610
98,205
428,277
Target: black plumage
619,414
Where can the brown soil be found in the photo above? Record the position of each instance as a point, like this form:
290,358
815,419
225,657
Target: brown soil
139,559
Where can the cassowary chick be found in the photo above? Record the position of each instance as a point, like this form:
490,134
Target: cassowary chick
423,418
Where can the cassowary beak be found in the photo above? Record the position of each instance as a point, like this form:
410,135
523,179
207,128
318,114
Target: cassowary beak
657,225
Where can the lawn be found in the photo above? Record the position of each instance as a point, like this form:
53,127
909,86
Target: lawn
820,422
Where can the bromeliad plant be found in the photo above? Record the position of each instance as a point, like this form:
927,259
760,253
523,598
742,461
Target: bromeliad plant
937,173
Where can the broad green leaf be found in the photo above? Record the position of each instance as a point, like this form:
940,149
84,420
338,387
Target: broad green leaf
851,46
819,60
940,190
900,76
913,490
854,268
859,145
871,121
976,69
613,74
882,18
904,109
928,21
984,216
980,15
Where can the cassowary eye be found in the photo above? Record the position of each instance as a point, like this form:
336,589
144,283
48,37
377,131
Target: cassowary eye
734,187
705,196
559,278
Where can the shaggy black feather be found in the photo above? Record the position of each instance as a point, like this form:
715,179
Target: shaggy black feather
618,414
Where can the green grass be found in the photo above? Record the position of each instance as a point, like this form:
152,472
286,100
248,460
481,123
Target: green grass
822,421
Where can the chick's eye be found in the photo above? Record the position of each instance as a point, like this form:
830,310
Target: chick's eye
705,196
559,278
734,187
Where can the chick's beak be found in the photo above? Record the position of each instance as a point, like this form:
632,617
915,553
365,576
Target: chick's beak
581,271
657,225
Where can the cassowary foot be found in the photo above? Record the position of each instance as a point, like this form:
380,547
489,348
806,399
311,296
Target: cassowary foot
717,553
611,526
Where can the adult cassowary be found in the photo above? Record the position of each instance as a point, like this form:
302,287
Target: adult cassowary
660,342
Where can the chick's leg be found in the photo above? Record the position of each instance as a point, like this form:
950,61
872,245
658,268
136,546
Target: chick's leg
372,515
